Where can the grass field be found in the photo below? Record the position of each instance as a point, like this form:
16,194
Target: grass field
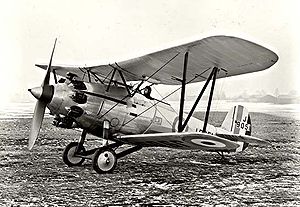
260,176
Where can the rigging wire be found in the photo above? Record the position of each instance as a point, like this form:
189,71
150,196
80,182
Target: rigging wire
162,98
142,82
197,76
162,66
162,113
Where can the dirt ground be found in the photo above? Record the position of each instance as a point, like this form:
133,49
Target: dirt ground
260,176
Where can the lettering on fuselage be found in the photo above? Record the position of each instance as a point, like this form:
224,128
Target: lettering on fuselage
187,128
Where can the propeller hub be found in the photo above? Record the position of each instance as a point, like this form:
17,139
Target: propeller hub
43,93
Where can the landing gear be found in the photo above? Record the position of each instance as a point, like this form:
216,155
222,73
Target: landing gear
225,159
69,154
104,158
104,161
73,153
221,153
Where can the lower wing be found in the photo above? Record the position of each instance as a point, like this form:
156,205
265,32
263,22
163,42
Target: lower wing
243,138
184,140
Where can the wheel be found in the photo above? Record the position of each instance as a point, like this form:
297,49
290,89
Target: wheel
68,155
104,161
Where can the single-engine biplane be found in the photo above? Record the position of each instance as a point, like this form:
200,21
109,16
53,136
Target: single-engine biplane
115,102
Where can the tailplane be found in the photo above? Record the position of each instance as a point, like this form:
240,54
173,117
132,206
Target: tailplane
237,124
237,121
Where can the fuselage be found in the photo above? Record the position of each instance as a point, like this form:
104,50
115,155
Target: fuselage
126,115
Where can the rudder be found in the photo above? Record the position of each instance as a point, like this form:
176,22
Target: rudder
237,121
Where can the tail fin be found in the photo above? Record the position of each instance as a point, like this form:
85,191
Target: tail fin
237,121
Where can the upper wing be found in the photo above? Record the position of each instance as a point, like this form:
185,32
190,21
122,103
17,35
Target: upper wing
184,140
234,56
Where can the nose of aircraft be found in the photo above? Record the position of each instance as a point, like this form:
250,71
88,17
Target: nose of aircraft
43,93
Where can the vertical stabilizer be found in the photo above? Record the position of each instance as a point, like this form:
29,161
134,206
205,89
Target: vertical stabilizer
237,121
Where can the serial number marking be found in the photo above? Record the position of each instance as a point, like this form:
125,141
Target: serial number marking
242,125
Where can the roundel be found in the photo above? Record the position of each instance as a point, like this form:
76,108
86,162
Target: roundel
114,122
208,143
175,125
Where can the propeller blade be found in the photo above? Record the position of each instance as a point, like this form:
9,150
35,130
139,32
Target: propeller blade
47,77
43,95
37,120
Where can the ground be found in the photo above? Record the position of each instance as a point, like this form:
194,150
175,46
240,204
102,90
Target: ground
260,176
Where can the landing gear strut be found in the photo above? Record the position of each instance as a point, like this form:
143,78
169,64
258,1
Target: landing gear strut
105,157
71,154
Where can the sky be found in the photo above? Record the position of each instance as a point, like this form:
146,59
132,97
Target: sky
100,32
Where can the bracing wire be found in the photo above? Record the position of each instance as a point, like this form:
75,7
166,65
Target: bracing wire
157,102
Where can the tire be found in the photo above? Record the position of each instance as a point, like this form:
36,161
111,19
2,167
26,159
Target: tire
104,161
68,155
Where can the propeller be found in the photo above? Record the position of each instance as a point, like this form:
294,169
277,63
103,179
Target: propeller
44,95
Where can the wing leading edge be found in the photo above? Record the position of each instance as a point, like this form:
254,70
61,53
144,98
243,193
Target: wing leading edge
184,140
192,140
234,56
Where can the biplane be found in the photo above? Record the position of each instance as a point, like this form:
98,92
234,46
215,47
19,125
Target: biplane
115,101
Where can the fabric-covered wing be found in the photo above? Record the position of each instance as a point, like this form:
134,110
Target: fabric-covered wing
184,140
234,56
244,138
